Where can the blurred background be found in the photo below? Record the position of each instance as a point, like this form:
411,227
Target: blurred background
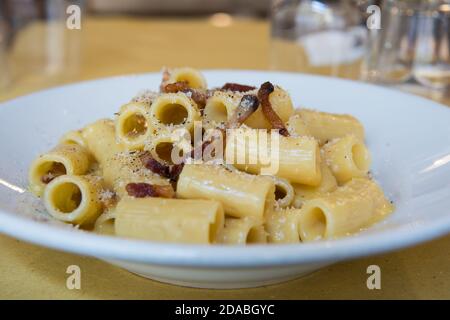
403,44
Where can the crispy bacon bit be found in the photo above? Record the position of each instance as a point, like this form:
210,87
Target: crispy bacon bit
171,173
236,87
263,94
165,191
249,103
175,172
176,87
143,190
197,95
57,170
153,165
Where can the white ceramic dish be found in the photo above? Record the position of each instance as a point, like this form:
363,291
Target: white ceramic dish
409,138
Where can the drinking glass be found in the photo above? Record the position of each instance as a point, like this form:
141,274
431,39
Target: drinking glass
318,36
432,56
4,71
412,45
36,44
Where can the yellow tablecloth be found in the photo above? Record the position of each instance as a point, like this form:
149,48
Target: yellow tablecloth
112,46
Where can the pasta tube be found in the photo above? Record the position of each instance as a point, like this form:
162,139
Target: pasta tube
74,199
242,231
169,220
220,107
173,110
169,148
101,140
105,223
281,104
241,194
327,126
73,137
132,126
284,192
70,159
257,234
296,126
303,192
282,226
296,159
192,76
356,205
347,158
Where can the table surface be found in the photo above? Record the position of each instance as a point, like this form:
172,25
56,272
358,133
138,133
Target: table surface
120,45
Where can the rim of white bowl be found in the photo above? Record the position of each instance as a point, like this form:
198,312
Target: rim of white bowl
110,247
91,244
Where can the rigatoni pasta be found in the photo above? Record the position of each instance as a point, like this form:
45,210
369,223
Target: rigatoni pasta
192,76
64,159
326,126
356,205
173,110
220,106
230,165
73,137
241,194
282,105
132,125
284,192
347,158
168,147
74,199
242,231
282,225
101,140
303,192
298,158
172,220
105,223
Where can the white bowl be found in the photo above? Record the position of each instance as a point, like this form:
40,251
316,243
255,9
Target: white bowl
409,138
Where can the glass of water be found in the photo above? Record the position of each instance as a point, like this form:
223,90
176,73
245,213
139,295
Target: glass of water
4,73
318,36
412,45
432,55
37,45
